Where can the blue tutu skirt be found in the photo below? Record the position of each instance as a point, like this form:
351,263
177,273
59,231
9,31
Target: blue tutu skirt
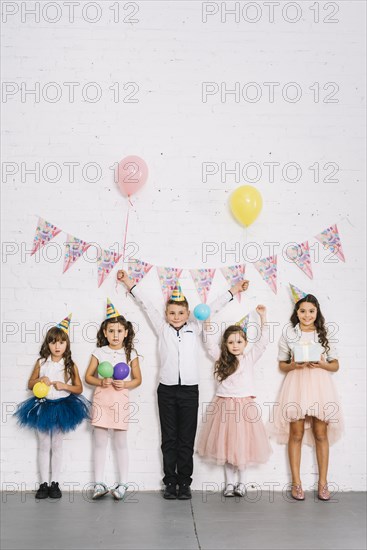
48,415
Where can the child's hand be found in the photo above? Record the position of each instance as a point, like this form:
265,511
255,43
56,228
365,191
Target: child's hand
106,382
122,277
118,384
261,310
46,380
59,386
241,286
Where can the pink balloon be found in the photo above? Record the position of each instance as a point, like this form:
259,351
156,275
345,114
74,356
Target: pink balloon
132,174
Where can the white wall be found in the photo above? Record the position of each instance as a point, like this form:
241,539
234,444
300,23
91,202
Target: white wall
169,53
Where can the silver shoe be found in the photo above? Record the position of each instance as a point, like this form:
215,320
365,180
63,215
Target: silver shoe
240,490
100,489
229,490
118,491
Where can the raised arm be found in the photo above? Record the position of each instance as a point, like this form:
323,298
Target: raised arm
259,346
155,317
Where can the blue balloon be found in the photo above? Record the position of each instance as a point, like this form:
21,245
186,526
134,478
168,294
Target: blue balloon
202,312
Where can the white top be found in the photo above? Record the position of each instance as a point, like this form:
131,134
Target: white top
114,356
56,373
177,349
294,335
242,382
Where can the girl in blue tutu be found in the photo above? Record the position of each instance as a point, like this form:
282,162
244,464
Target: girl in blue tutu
60,411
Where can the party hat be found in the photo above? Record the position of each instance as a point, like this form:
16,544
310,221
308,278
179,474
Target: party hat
64,325
177,295
244,322
297,294
111,311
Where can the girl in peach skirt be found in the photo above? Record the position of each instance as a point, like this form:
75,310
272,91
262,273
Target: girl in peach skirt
307,408
232,433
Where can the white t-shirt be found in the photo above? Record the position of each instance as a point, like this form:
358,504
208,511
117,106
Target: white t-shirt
56,373
294,335
114,356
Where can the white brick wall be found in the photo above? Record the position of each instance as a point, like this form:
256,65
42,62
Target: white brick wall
169,53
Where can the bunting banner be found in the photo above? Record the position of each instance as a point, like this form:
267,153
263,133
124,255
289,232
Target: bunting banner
233,275
300,255
330,238
297,293
137,270
203,279
74,248
267,267
168,277
45,231
106,261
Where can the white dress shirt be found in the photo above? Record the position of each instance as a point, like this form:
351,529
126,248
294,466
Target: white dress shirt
177,349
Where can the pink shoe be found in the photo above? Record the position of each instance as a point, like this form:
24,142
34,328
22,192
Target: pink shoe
323,492
297,492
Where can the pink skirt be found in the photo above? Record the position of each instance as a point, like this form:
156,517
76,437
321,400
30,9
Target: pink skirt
232,431
110,408
306,394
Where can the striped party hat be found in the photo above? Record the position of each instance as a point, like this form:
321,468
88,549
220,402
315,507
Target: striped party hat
111,311
177,295
64,324
244,322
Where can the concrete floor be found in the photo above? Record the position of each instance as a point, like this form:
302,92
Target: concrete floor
147,521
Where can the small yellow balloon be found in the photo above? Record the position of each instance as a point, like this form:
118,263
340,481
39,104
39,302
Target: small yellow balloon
246,204
40,390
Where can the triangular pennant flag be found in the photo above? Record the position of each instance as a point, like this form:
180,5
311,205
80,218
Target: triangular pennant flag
45,231
64,324
300,255
233,274
74,248
297,293
168,277
138,269
177,295
106,262
244,322
111,311
267,267
330,238
203,279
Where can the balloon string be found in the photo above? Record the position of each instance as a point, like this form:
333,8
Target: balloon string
126,226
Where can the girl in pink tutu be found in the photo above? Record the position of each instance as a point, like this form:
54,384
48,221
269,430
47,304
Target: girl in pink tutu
111,397
308,408
232,433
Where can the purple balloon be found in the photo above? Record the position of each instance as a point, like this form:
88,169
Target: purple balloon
121,371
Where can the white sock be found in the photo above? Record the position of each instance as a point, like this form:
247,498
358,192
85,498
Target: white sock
122,454
230,472
44,448
100,448
242,476
57,440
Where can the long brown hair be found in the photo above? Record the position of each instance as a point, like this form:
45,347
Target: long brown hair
319,321
128,340
227,363
53,335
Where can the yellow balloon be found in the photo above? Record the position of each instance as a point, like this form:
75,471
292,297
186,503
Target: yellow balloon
40,390
246,204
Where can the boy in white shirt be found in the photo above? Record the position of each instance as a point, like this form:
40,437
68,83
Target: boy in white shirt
178,391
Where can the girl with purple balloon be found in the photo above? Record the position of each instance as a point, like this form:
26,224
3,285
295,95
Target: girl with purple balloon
114,370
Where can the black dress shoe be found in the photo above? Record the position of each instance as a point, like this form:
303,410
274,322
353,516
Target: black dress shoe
184,492
42,491
54,490
170,492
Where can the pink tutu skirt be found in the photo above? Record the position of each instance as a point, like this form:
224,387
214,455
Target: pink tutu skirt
232,431
307,393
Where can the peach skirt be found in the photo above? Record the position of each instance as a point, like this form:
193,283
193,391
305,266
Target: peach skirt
232,431
306,394
110,408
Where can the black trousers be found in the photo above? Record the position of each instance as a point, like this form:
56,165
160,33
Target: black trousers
178,414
